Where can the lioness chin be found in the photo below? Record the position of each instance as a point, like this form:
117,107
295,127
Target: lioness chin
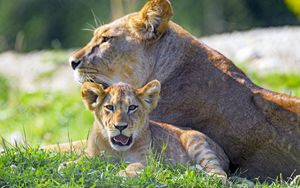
122,129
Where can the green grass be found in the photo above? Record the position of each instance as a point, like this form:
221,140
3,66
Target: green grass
23,166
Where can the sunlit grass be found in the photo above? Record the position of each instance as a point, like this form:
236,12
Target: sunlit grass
24,166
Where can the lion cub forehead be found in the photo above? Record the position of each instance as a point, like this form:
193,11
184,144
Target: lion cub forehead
121,91
122,86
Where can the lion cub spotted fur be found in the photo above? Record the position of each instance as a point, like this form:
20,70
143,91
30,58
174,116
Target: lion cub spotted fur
122,129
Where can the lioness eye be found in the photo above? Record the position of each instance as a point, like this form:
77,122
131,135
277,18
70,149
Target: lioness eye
132,108
109,107
105,39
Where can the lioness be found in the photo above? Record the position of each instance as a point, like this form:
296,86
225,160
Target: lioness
257,128
122,129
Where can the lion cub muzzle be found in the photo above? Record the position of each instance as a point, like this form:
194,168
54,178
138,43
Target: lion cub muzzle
121,139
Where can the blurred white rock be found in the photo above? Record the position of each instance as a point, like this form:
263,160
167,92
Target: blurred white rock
261,50
38,71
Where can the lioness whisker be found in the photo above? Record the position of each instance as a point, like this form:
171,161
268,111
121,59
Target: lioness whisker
87,29
96,19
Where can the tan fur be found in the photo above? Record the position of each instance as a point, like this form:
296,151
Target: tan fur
76,147
258,129
152,21
184,146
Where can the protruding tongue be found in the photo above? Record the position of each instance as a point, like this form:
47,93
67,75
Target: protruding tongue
121,139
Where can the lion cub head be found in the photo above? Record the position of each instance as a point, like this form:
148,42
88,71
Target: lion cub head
121,111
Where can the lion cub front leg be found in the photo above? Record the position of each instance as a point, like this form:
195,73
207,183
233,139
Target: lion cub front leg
137,162
207,155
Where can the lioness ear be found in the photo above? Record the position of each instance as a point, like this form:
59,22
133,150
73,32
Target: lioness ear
152,20
91,93
150,94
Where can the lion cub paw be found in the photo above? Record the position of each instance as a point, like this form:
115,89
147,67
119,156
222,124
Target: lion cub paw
132,170
128,174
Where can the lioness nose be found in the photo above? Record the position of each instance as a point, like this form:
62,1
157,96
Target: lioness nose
74,63
121,127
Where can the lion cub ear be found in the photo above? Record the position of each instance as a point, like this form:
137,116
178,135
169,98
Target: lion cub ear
152,20
91,94
150,94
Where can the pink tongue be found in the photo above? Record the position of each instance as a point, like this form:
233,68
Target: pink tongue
121,139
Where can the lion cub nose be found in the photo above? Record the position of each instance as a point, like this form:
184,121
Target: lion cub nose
74,63
121,127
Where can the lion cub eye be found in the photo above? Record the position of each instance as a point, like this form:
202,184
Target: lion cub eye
132,108
109,108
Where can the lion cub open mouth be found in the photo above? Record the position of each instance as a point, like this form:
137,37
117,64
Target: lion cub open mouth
121,140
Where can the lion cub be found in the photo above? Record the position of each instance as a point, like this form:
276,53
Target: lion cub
122,129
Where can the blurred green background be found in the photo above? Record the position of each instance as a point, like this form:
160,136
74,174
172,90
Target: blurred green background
27,25
44,116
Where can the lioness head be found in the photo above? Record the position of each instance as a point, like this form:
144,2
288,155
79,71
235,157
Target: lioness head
121,111
120,51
